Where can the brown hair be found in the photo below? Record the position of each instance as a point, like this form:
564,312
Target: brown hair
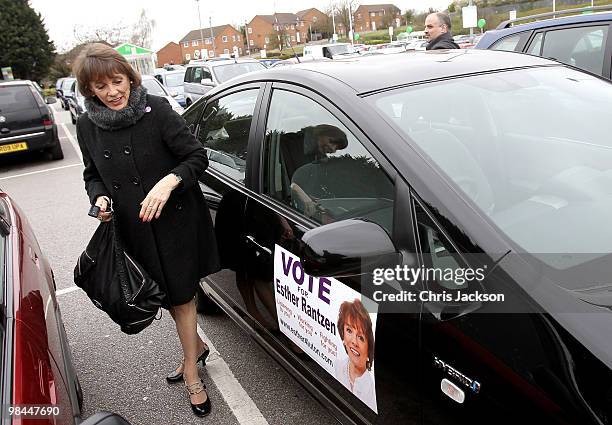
356,313
99,60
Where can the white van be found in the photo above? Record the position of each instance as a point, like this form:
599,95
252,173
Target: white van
331,51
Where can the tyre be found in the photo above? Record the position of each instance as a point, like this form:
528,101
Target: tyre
56,152
205,305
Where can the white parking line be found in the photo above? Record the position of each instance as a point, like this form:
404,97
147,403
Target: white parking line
242,406
41,171
73,142
66,290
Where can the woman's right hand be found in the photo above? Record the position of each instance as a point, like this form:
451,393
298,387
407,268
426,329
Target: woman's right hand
104,203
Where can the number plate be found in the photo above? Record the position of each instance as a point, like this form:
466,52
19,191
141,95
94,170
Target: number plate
13,147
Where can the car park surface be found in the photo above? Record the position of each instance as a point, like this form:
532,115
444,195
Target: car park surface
455,159
36,365
26,122
583,41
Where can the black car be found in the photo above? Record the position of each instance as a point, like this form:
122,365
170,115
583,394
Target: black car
431,245
26,122
581,40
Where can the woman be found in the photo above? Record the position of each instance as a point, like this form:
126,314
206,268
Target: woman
354,372
139,153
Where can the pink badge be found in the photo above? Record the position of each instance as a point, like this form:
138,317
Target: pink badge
148,109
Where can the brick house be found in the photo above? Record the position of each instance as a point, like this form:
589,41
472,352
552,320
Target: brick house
227,39
169,54
263,31
373,17
316,20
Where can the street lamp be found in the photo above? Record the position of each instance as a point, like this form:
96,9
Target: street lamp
212,34
200,21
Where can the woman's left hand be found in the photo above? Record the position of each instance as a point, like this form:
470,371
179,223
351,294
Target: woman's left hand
152,205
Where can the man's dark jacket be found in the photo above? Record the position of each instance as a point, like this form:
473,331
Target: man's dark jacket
444,41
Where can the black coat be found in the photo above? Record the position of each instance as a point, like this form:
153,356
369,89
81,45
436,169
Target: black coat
179,248
443,41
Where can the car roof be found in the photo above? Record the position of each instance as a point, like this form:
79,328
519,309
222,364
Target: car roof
492,36
400,69
17,83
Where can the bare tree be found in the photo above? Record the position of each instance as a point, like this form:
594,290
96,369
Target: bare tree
112,34
142,31
342,11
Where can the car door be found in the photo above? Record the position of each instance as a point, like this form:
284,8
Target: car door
587,46
304,185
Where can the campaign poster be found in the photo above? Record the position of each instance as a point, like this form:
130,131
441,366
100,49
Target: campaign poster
328,321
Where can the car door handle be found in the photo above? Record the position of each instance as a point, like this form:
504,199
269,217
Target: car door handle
252,240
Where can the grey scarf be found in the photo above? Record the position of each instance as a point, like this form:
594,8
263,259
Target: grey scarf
108,119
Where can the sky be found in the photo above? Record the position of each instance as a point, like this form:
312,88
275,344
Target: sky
174,18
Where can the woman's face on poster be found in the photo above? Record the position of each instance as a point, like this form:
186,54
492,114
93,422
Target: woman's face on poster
356,344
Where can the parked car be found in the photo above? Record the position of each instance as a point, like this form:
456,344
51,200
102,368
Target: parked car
156,88
58,87
583,41
451,162
386,49
66,91
76,104
36,366
203,75
295,60
173,81
26,122
330,51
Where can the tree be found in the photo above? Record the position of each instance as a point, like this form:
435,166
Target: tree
409,16
142,31
112,34
26,47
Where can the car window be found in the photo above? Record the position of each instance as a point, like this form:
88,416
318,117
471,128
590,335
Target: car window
532,152
189,75
205,74
174,80
316,166
439,255
153,87
66,84
196,77
16,98
507,43
535,48
582,47
224,132
231,70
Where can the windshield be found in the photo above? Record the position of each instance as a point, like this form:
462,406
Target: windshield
231,70
340,49
174,80
16,98
67,84
153,87
531,148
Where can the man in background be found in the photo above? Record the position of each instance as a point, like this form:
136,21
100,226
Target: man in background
438,31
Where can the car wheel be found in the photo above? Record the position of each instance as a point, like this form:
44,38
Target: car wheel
56,152
205,305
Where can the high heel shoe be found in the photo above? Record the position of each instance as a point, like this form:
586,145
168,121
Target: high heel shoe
200,409
174,376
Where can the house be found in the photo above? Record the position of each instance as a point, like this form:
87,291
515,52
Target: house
373,17
211,42
317,21
169,54
267,31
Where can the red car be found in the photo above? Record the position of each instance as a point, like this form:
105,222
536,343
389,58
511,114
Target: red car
36,368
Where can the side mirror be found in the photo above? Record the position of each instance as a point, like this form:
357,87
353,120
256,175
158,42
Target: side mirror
105,418
206,81
347,248
49,100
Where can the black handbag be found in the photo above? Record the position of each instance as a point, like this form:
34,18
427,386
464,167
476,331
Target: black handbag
116,283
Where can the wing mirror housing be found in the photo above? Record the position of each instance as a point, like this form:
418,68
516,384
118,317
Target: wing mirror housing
206,82
347,248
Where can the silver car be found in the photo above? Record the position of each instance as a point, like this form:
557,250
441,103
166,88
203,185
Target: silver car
201,76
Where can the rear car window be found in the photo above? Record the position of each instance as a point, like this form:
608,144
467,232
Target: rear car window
153,87
16,98
229,71
507,43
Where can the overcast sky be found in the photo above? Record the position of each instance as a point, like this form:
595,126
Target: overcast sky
174,18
